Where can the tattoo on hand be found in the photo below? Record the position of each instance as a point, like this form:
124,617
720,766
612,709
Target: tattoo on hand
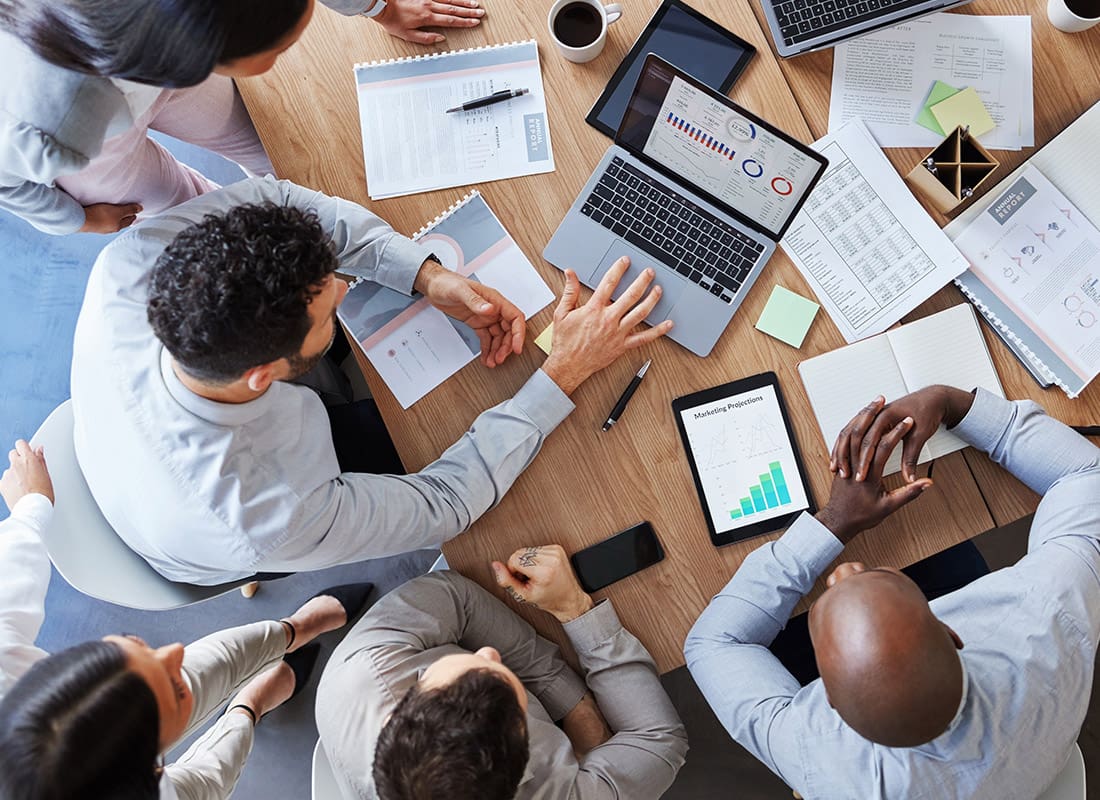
514,594
528,559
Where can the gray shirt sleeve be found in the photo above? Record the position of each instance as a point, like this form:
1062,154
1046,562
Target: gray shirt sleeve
361,516
444,608
649,743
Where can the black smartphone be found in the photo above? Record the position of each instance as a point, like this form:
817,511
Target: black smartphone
613,559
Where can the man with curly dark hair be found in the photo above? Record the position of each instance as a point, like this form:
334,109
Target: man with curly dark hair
212,465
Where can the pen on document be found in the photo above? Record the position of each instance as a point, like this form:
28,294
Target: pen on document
620,406
495,97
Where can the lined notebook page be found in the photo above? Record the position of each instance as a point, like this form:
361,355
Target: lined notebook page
946,348
843,381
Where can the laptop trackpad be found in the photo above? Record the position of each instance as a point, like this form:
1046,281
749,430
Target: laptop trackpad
671,284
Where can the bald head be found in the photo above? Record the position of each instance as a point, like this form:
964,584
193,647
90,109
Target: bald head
890,668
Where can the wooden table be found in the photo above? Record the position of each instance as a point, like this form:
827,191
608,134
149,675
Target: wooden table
585,485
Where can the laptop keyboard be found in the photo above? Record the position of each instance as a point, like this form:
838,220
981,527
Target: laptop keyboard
672,229
800,20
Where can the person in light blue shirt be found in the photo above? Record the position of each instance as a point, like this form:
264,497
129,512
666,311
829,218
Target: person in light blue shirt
979,694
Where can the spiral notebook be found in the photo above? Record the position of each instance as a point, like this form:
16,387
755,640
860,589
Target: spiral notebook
410,143
413,345
1037,280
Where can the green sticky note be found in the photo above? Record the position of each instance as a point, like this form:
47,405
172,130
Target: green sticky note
939,91
787,316
964,108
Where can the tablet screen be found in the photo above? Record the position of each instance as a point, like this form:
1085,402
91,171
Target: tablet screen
745,464
696,45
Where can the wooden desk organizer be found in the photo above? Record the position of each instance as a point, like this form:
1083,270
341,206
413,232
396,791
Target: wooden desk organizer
953,171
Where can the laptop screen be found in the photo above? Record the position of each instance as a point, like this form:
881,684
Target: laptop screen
704,140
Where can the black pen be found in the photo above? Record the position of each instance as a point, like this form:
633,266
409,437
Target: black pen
495,97
620,406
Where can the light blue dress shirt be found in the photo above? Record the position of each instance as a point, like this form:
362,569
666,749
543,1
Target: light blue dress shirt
1029,631
211,492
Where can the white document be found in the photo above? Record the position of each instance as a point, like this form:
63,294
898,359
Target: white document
1041,257
411,144
413,345
884,78
945,348
866,246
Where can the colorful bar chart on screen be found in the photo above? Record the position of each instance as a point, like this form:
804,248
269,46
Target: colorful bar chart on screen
770,492
700,136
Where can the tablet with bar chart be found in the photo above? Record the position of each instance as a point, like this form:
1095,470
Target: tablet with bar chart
743,458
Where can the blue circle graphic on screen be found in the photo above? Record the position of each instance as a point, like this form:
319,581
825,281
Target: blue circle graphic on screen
752,168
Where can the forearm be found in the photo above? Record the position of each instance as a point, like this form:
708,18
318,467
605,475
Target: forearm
585,726
1036,448
47,208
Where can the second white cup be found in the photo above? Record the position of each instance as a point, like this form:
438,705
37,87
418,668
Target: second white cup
579,27
1067,19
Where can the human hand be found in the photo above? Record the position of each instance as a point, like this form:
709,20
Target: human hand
404,18
542,577
856,505
499,325
26,475
109,217
588,338
929,408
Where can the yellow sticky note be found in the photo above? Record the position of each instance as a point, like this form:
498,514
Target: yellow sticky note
964,108
544,342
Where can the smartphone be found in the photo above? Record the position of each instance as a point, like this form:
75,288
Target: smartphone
613,559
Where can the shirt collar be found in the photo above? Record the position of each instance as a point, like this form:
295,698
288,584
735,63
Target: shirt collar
226,414
957,719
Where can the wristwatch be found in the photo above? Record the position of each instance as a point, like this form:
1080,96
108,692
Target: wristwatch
374,10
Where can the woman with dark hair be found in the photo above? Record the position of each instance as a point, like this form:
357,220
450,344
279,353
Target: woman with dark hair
92,720
87,79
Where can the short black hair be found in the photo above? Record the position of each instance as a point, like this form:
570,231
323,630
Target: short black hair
170,43
463,741
232,291
80,724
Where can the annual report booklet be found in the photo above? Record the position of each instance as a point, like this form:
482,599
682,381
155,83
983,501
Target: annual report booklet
411,144
415,346
946,348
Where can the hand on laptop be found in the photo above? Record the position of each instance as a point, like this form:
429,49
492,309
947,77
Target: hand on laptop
499,325
929,408
858,505
404,18
543,577
589,337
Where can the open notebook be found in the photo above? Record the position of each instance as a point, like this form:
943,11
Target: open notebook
1068,162
945,348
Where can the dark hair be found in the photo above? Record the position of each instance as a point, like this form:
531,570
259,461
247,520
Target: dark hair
79,724
464,741
171,43
231,292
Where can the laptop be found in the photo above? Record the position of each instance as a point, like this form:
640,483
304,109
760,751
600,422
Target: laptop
799,26
695,187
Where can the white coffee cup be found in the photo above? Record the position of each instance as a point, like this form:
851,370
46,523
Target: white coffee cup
576,52
1065,20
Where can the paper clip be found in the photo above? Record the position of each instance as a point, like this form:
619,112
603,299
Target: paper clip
967,192
930,164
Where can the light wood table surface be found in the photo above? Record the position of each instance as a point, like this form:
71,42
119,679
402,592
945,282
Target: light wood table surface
586,485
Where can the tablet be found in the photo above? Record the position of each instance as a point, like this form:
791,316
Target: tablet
682,36
743,458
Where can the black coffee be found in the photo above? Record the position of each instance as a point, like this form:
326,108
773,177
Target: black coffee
1089,9
577,25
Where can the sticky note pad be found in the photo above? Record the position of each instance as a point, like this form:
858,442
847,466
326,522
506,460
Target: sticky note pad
939,91
787,316
544,341
964,108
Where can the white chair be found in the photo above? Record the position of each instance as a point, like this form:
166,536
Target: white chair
1070,783
85,548
324,782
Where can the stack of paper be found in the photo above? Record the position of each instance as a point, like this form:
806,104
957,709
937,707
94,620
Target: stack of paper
884,79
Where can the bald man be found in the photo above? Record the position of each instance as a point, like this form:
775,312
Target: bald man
979,694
